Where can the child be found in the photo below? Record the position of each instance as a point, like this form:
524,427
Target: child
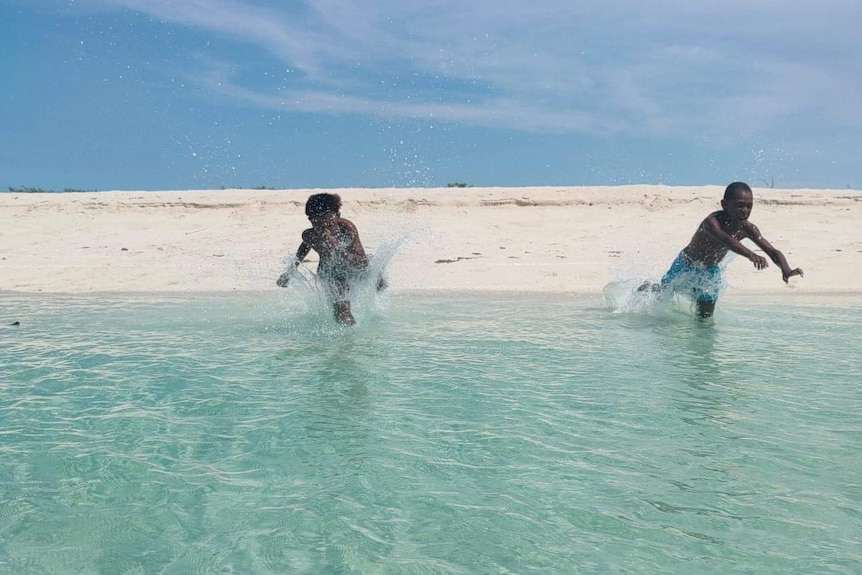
342,257
696,267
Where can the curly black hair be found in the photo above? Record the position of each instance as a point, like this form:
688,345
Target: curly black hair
319,204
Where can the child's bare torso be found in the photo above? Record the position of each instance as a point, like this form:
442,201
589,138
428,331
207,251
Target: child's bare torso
338,246
705,249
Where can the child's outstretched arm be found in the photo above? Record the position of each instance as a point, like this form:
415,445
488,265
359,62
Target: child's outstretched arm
775,255
301,252
713,228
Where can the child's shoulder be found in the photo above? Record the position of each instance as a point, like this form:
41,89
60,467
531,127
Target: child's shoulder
712,219
345,223
750,229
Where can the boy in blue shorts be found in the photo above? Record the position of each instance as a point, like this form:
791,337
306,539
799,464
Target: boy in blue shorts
696,268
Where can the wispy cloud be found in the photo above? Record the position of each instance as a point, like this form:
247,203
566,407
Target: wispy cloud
667,67
279,32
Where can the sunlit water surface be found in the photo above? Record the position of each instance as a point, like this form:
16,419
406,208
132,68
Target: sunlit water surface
249,434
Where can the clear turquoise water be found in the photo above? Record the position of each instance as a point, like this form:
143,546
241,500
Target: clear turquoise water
249,434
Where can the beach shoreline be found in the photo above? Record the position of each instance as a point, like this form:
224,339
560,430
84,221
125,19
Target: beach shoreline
534,240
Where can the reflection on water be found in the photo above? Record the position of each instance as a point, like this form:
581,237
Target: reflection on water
252,434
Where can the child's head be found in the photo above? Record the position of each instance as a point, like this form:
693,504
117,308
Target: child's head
738,201
322,204
732,189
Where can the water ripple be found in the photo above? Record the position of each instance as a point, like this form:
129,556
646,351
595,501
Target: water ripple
222,434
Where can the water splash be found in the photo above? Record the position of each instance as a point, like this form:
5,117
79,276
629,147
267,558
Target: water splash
368,293
305,283
634,291
636,296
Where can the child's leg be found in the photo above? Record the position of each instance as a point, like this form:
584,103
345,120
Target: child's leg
382,282
342,313
650,286
706,290
705,308
338,288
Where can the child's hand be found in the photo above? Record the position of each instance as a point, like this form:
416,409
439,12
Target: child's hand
790,273
759,262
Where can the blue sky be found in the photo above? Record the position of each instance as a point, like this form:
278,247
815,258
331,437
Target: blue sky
170,94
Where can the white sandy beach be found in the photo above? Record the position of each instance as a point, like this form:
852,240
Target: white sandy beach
571,240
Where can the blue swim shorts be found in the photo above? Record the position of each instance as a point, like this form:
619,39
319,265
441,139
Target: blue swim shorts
701,282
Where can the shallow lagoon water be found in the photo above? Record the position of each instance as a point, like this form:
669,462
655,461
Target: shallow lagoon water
247,433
